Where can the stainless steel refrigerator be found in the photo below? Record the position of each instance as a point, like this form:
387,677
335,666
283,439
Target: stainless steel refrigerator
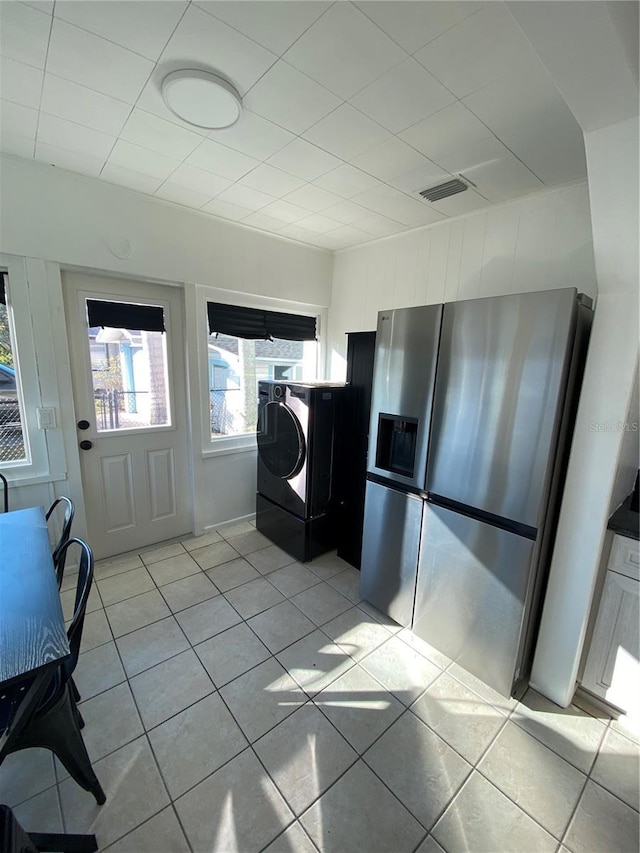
472,415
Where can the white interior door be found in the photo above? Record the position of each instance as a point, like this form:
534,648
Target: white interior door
129,393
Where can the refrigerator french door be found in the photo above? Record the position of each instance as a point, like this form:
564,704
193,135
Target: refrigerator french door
403,380
509,371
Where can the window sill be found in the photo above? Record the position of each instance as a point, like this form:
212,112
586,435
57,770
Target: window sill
32,480
225,448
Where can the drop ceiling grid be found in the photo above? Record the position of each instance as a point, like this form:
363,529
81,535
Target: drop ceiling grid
372,113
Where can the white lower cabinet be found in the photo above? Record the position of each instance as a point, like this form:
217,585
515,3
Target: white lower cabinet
612,668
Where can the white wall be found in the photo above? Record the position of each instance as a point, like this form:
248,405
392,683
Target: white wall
612,163
538,243
59,220
629,458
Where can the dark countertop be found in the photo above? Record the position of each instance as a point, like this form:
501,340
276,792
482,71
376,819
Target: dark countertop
625,521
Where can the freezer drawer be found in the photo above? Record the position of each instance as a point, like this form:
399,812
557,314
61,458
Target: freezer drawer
391,541
473,593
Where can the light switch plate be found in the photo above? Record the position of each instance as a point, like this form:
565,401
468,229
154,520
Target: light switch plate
46,418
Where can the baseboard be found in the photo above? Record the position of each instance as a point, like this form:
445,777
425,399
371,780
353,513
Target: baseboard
223,525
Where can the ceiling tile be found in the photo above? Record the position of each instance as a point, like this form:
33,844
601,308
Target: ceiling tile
461,203
416,180
295,232
24,34
65,159
418,23
502,178
245,197
13,143
390,159
304,160
221,160
346,212
270,180
347,181
313,198
460,159
18,120
76,103
275,25
477,51
20,83
318,223
346,132
285,211
344,51
45,6
180,195
74,137
130,180
204,41
402,96
199,181
266,223
348,235
378,226
454,126
95,63
396,205
142,160
155,133
290,99
327,241
143,26
253,135
225,210
528,115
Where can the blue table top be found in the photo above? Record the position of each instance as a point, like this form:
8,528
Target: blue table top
32,631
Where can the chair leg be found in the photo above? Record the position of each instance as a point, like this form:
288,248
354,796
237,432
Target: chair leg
74,690
78,716
57,730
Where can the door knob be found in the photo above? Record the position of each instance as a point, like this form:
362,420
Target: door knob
86,445
83,424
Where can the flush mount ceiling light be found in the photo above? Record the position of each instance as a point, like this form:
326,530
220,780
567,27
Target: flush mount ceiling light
201,98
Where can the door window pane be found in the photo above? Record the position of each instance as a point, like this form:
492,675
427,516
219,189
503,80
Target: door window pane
235,368
130,380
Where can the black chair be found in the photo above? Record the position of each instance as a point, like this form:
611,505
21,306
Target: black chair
5,488
14,839
59,554
55,723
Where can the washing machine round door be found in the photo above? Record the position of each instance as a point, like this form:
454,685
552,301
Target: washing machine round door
281,442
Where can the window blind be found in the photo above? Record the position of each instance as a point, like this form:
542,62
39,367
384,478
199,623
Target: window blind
259,325
124,315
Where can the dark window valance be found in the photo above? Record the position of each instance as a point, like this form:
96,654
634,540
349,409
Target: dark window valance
3,292
124,315
259,325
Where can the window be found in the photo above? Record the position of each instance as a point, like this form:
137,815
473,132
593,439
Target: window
246,345
236,365
14,446
128,365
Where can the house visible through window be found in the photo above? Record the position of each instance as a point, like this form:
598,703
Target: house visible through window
13,441
236,365
128,365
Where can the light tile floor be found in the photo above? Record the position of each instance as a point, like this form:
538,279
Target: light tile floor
236,700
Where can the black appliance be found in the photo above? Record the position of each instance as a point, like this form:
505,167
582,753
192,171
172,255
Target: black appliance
355,427
297,435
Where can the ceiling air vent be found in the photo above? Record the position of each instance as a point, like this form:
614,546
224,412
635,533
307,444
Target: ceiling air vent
441,191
